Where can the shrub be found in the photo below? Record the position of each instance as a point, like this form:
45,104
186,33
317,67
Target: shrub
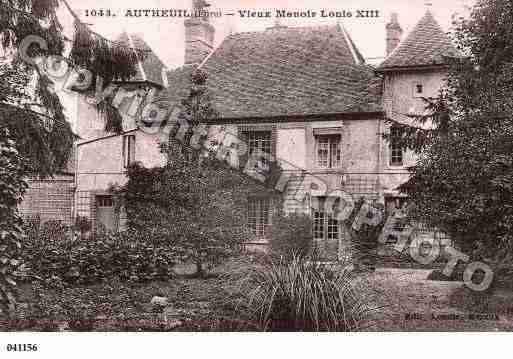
500,259
291,236
204,216
83,225
124,256
364,241
54,230
53,305
206,212
298,296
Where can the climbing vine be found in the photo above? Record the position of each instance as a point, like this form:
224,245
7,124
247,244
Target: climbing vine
12,187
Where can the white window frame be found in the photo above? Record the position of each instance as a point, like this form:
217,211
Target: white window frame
257,140
259,215
325,225
333,147
394,152
104,201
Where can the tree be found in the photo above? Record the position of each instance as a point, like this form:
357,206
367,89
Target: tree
35,138
198,202
199,208
34,114
463,181
291,236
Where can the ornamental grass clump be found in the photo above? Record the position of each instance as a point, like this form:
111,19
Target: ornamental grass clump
298,295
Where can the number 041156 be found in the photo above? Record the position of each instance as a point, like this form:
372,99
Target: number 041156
22,347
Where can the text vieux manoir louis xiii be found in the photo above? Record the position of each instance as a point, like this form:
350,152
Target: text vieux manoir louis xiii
242,13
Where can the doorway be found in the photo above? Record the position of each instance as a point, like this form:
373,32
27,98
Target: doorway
105,214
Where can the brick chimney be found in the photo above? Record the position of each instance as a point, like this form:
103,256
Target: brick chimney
199,34
394,33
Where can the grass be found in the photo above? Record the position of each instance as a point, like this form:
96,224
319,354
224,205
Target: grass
410,302
405,299
297,295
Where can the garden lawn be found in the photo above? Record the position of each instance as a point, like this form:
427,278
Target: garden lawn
404,300
409,302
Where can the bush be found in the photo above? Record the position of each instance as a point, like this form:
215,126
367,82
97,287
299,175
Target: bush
364,241
83,225
500,259
298,296
204,216
291,236
53,306
125,256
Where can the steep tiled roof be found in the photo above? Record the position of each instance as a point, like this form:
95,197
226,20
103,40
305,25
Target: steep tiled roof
179,81
150,68
290,71
427,44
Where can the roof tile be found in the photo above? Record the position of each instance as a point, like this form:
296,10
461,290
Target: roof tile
150,68
290,71
427,44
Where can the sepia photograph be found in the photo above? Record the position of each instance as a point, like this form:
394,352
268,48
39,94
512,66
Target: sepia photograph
206,166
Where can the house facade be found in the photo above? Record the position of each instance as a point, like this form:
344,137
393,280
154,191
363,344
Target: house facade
102,157
302,95
414,70
306,97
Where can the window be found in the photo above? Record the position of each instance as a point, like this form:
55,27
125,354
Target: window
104,201
328,151
98,121
128,150
258,215
418,90
396,151
260,140
325,224
105,214
318,223
393,203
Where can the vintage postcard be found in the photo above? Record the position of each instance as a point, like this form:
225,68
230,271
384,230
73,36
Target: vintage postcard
255,166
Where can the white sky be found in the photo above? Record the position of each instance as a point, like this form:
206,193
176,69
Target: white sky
166,35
